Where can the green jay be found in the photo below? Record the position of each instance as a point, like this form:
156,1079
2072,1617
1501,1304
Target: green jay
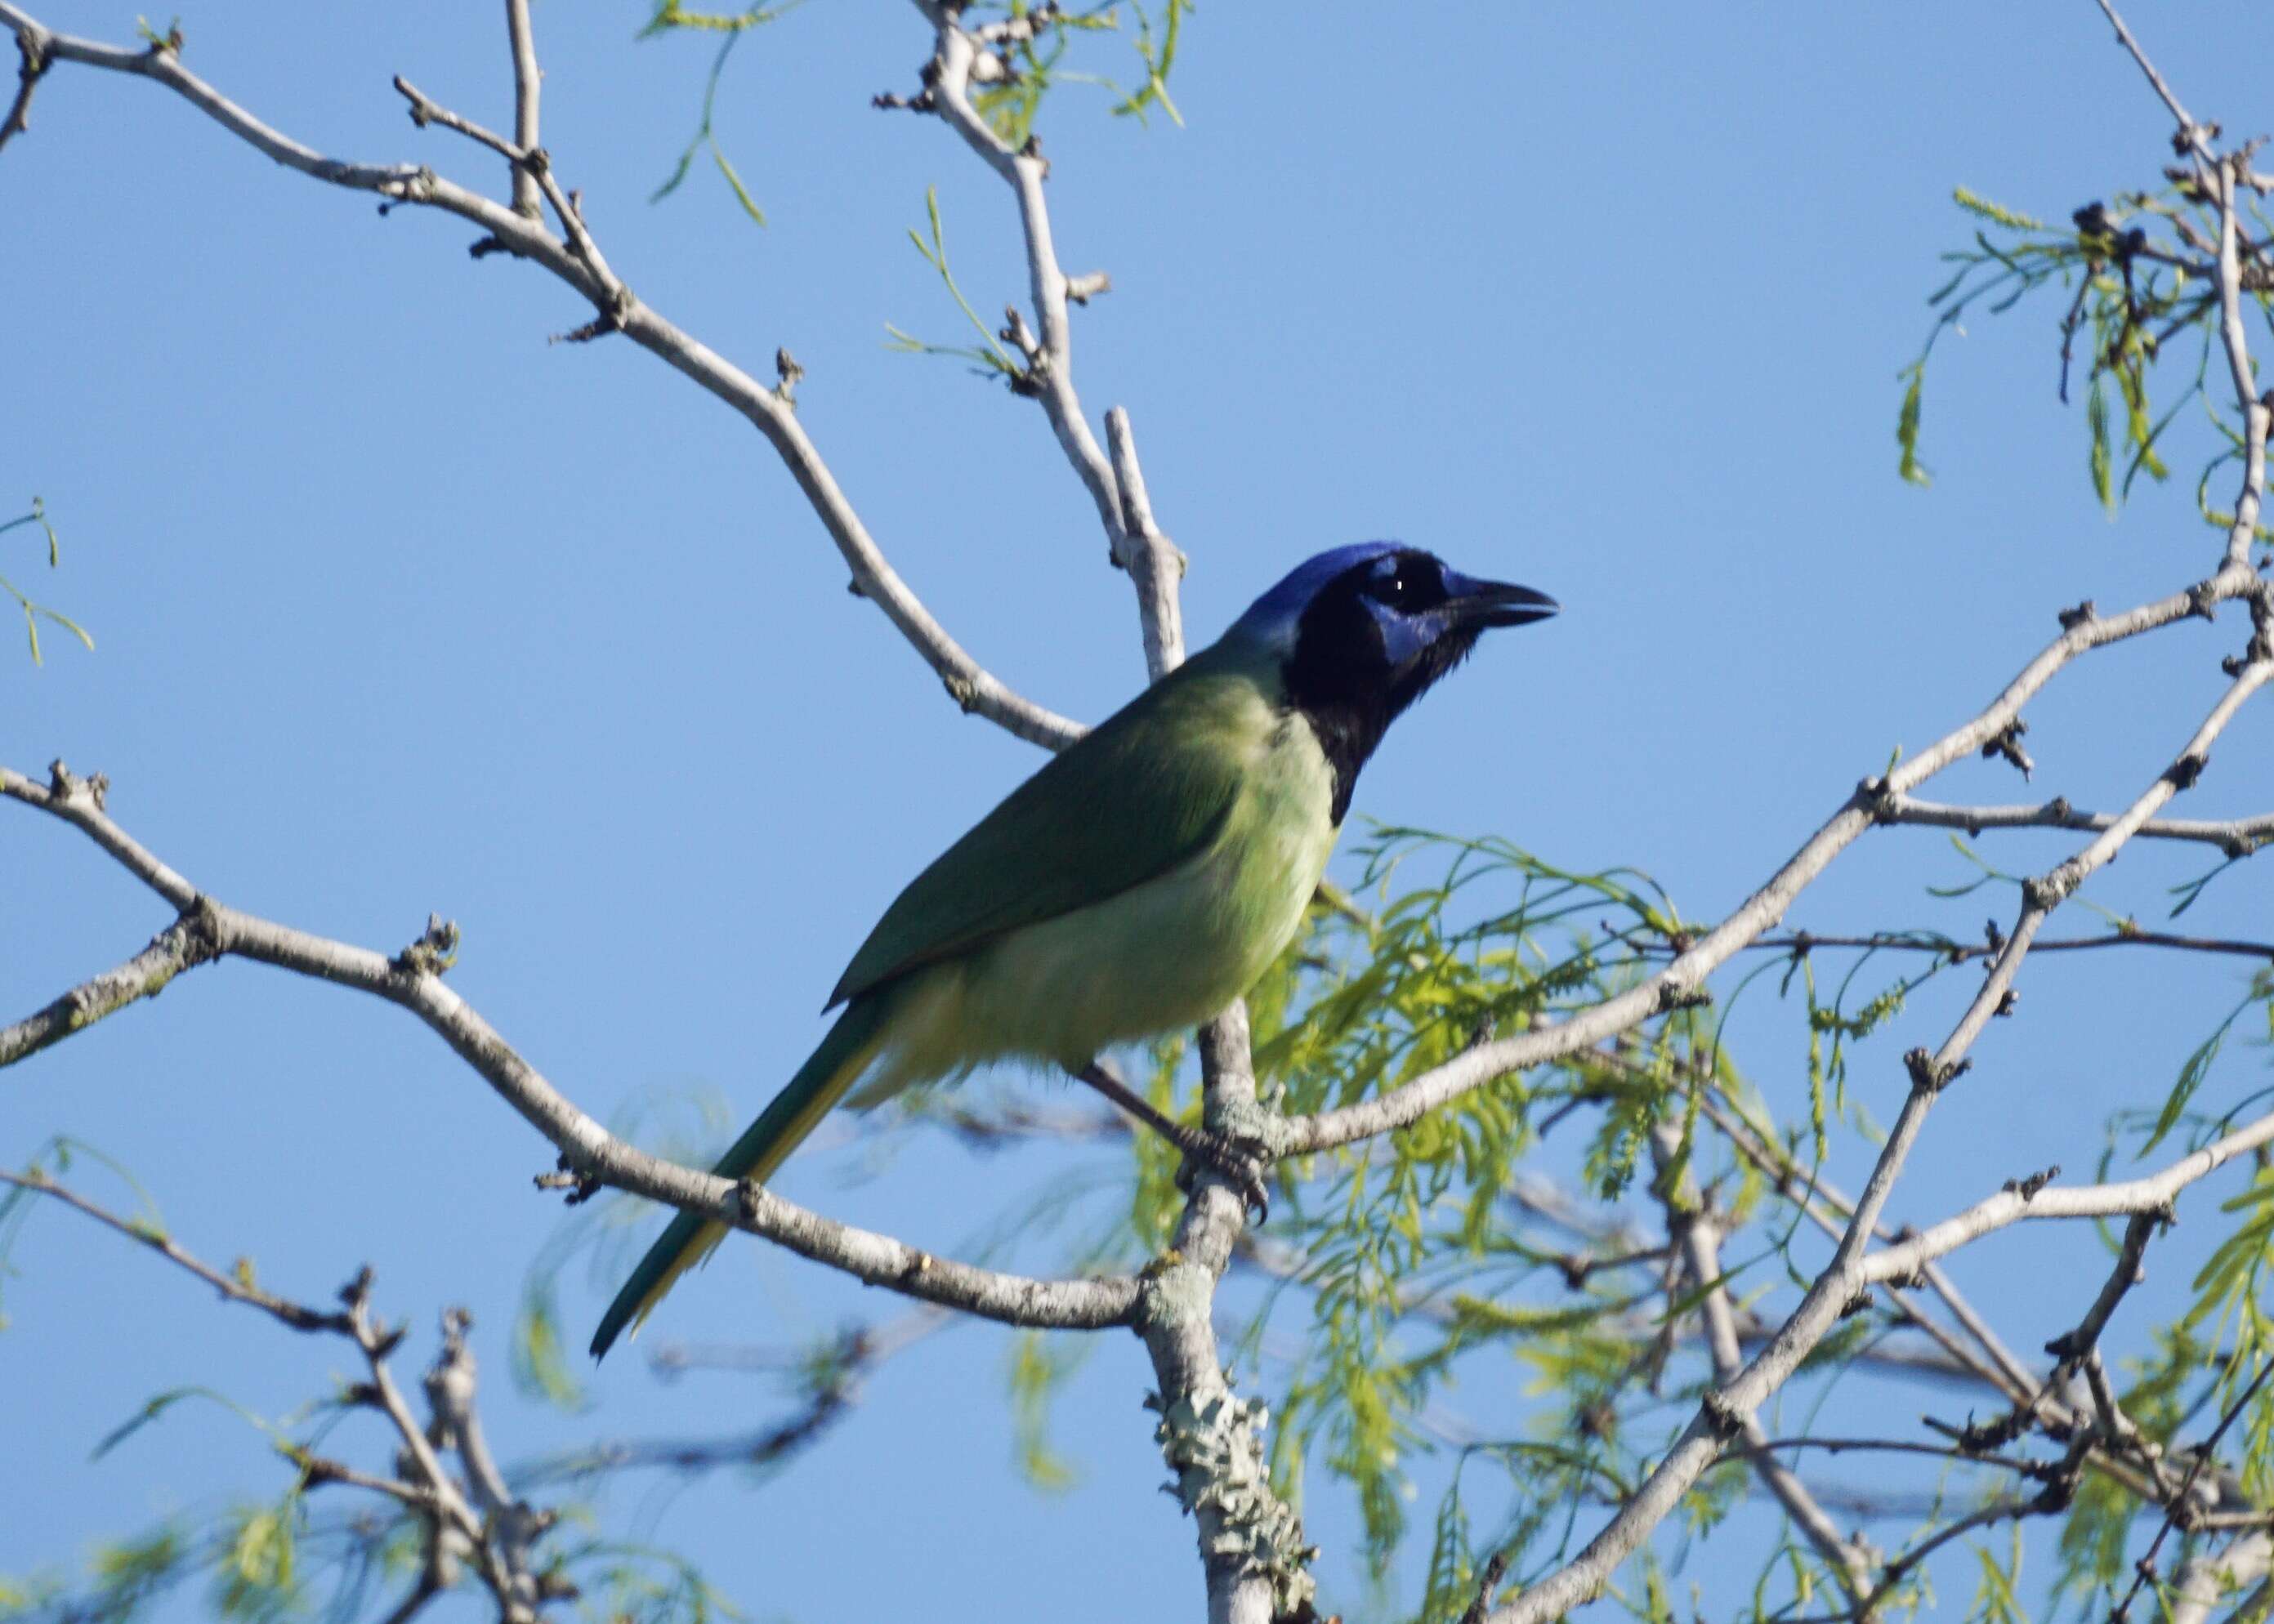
1145,878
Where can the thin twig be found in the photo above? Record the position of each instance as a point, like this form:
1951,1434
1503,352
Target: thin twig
2146,1566
527,80
2237,836
1154,561
1698,1239
31,45
1962,952
2150,1197
2190,131
236,1288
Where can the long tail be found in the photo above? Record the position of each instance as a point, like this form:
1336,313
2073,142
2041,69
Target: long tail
795,1111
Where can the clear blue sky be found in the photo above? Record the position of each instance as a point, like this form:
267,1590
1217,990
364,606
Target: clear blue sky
401,609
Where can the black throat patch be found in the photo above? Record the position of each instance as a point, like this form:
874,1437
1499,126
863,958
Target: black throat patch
1341,679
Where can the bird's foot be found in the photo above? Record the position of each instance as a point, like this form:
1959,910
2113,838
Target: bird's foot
1239,1164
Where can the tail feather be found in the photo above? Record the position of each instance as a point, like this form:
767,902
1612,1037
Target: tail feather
781,1128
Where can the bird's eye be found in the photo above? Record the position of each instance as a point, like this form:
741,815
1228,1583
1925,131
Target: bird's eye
1407,585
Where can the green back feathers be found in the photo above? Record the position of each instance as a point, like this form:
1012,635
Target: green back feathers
1145,789
1151,786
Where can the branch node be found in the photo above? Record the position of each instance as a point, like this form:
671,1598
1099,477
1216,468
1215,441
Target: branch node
2056,1495
1927,1077
1015,331
66,786
357,1292
32,45
2182,773
2028,1188
2007,743
1979,1438
1723,1418
581,1187
1672,996
788,371
2082,614
924,102
611,319
434,951
1495,1570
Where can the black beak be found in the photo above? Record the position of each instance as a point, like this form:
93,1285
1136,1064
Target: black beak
1496,603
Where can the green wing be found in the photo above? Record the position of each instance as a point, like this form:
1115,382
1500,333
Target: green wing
1148,786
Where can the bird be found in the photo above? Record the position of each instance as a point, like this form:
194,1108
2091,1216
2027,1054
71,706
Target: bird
1144,878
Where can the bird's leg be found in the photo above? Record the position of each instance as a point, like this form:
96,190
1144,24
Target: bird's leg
1237,1163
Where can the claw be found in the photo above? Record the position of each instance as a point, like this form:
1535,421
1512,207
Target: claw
1235,1163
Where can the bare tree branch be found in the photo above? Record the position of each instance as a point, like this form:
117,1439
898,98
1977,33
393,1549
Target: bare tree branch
1962,952
577,262
1133,542
1252,1543
181,946
511,1523
2237,837
1024,172
2191,133
1721,1416
1828,1208
2201,1582
2150,1197
2144,1569
1154,562
527,86
32,46
2217,175
1681,980
236,1288
500,1533
411,980
1698,1238
2252,405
